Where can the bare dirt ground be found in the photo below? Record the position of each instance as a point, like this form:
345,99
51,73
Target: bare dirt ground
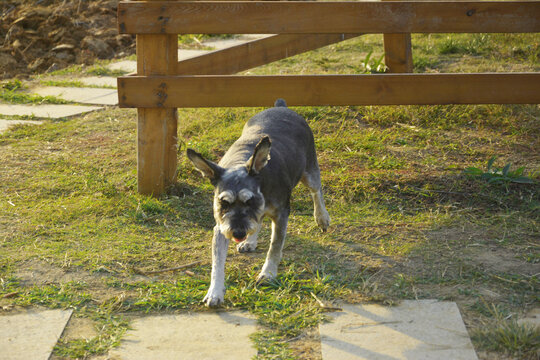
39,36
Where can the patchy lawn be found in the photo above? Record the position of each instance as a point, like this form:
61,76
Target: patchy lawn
407,223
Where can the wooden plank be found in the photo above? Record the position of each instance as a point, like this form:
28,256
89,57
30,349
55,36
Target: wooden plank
256,53
156,128
296,17
384,89
398,53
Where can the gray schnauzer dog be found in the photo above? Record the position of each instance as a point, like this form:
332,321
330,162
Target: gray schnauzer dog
254,179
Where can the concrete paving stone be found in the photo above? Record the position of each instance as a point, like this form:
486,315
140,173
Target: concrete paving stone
99,81
424,329
202,336
125,65
31,335
184,54
130,66
46,111
219,44
532,318
94,96
6,124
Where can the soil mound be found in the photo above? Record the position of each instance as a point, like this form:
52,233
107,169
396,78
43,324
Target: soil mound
37,36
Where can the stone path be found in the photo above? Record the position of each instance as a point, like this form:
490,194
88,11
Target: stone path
46,111
204,336
425,329
6,124
31,335
81,95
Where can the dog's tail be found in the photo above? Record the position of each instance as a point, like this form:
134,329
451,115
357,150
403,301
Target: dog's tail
280,103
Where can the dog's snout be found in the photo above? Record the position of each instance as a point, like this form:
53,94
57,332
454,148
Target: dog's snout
239,234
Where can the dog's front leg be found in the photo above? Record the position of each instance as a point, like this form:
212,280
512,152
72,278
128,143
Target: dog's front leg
273,257
216,292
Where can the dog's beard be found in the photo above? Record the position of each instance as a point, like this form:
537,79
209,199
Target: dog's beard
225,228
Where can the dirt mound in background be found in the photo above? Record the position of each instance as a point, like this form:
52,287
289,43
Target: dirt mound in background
37,36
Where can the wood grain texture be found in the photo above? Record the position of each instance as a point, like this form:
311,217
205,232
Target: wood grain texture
384,89
296,17
256,53
157,127
398,53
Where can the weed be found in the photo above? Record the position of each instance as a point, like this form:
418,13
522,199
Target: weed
507,335
12,85
474,45
99,70
504,175
373,66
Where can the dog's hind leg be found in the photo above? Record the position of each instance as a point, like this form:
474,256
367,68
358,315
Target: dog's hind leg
273,257
216,292
312,179
250,244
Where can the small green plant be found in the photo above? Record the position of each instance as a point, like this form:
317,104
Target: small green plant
12,85
495,175
373,65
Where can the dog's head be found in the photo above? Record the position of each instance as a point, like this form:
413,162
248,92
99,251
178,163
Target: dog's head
238,201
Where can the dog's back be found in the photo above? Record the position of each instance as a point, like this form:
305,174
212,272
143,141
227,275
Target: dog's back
293,146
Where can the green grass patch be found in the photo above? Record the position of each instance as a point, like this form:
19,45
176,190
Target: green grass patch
72,83
407,222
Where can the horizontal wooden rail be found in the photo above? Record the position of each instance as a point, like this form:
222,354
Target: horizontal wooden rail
255,53
295,17
384,89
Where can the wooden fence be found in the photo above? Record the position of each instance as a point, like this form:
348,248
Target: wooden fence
162,83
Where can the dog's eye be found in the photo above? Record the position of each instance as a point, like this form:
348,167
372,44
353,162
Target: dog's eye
225,204
250,202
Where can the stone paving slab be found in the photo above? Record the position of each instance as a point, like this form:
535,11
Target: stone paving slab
6,124
130,66
219,44
425,329
31,335
46,111
532,318
125,65
94,96
202,336
99,81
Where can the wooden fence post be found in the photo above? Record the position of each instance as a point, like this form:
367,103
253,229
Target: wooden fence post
398,52
157,127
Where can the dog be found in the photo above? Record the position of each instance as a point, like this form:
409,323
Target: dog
254,179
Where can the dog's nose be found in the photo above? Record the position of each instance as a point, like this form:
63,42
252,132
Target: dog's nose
239,234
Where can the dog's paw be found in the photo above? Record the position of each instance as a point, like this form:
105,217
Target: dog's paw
323,220
266,276
214,298
264,279
245,247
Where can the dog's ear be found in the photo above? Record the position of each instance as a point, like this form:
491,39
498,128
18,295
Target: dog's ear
260,156
207,168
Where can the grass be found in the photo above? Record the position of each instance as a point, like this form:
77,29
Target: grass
72,83
507,336
407,222
12,92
